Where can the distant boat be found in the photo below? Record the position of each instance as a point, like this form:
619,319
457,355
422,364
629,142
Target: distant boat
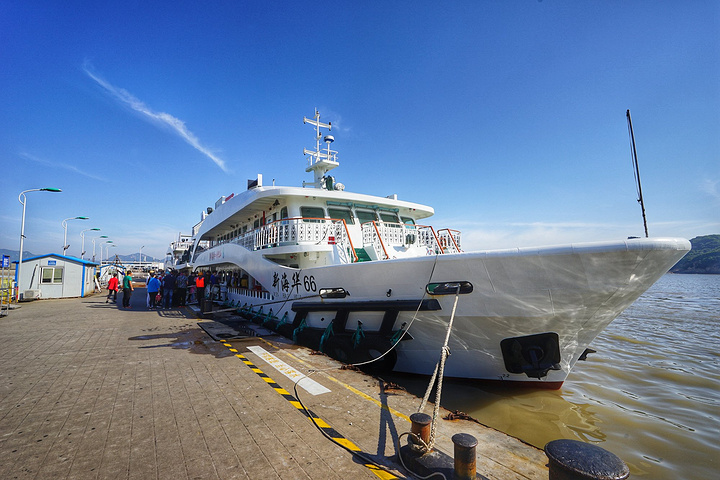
355,275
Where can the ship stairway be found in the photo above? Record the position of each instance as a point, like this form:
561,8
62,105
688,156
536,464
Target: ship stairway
362,255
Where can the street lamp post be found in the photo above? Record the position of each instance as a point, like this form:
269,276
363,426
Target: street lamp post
64,224
82,234
23,200
141,263
93,240
106,251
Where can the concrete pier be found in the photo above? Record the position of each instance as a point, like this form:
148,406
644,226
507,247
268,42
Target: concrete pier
90,390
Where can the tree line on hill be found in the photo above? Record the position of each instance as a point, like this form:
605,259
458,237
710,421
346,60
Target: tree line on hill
703,258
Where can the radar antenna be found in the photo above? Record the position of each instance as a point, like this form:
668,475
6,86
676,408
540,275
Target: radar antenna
320,161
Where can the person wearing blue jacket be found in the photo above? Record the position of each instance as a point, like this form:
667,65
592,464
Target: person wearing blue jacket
153,287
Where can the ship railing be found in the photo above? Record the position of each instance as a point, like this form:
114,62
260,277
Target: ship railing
298,231
384,236
449,240
247,292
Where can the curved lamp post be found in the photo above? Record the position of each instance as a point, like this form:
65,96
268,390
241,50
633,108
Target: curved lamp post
64,224
141,264
106,251
93,240
82,234
23,200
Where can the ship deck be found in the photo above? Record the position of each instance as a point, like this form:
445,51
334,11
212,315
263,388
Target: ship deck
91,390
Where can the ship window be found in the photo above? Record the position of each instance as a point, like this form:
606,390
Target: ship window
256,224
283,212
341,214
388,217
312,213
365,216
408,221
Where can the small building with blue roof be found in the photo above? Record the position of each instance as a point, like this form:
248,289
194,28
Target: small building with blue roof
56,276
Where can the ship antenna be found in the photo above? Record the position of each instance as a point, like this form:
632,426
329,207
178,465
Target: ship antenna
320,162
636,171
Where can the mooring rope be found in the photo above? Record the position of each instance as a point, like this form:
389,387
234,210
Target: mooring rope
439,374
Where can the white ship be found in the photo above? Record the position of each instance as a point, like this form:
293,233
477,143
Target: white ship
355,275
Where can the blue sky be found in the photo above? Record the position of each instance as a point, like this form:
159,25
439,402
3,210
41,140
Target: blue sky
508,117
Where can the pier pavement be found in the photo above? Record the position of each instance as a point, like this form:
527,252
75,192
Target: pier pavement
89,390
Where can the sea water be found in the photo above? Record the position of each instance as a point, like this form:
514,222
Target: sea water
651,393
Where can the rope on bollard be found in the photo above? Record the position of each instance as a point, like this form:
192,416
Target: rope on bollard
439,374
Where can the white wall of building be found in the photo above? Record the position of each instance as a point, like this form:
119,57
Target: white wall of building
57,276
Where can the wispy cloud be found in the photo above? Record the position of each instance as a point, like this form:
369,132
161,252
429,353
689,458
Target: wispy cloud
710,187
175,124
64,166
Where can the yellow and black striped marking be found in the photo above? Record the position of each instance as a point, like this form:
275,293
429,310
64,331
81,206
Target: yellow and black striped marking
324,426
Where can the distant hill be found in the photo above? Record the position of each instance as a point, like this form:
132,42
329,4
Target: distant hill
134,257
703,258
14,256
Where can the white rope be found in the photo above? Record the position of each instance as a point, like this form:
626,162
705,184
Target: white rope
439,373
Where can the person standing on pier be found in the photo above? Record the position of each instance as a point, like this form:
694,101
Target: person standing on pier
200,288
182,285
153,288
191,288
168,289
113,284
127,288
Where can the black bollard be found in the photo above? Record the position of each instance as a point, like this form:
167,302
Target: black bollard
575,460
420,427
465,446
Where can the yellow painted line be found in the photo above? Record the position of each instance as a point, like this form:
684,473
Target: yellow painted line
380,472
321,423
347,444
269,343
336,436
355,390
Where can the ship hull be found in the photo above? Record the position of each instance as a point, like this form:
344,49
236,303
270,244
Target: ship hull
530,316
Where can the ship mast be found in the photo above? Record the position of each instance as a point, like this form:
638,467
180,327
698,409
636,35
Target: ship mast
637,171
320,161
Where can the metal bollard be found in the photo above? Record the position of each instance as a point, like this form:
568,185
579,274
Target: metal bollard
465,446
575,460
420,427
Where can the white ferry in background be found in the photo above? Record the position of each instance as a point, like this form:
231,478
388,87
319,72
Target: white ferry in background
357,275
178,254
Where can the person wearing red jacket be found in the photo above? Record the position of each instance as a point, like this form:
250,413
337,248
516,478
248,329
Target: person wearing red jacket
112,288
200,287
